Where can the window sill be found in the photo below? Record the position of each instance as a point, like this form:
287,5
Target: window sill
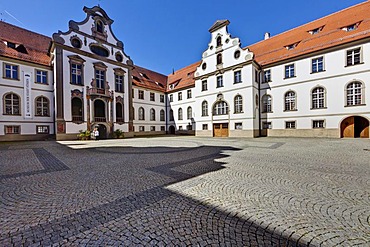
40,83
12,114
318,72
290,110
321,108
76,84
289,77
13,79
267,112
238,112
355,105
237,82
204,115
42,116
219,86
353,64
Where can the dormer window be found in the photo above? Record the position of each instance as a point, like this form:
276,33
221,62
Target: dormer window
316,30
99,26
219,41
291,46
350,27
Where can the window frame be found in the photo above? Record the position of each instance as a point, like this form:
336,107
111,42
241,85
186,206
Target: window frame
42,126
315,67
355,96
318,99
18,127
318,121
11,71
41,76
13,105
219,81
179,114
42,107
204,108
179,96
353,56
238,104
141,94
152,96
141,113
189,94
267,76
162,115
291,124
204,85
118,82
189,113
161,98
237,76
220,108
266,104
292,103
288,69
152,114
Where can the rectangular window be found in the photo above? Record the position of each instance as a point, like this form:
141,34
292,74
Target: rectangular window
152,128
11,71
267,75
267,125
256,77
12,129
41,77
317,65
76,74
41,129
100,78
205,127
238,126
171,97
152,97
163,128
179,96
141,128
119,83
289,71
161,98
220,82
237,76
290,125
318,124
354,57
189,93
204,86
141,94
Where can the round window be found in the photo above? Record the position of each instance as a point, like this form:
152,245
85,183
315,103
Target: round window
237,54
119,57
204,66
76,43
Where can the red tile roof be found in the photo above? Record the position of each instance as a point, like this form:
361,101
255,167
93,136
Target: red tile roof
35,46
332,34
182,78
142,77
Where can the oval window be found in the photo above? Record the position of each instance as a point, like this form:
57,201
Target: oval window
237,54
76,43
204,66
99,50
119,57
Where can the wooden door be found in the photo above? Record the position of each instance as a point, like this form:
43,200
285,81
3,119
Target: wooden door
348,127
361,127
221,130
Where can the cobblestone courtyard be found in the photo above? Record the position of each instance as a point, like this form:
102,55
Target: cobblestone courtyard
186,191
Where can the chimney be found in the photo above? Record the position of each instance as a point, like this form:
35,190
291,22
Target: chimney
267,36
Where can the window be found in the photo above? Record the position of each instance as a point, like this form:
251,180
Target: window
152,114
219,59
189,93
12,104
256,76
237,54
190,113
161,98
41,77
266,103
99,27
267,125
179,96
267,74
318,98
171,97
220,82
141,114
204,66
238,126
119,112
180,114
354,57
204,86
100,78
11,71
141,128
76,74
141,94
221,108
218,41
77,110
290,104
42,129
204,108
204,126
317,65
13,129
119,83
318,124
238,104
237,76
354,93
152,128
161,115
289,71
152,97
171,115
42,106
163,128
290,125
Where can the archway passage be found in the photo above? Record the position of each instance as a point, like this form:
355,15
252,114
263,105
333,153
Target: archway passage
355,127
102,131
171,130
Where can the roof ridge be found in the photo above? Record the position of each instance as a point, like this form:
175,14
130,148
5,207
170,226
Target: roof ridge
27,30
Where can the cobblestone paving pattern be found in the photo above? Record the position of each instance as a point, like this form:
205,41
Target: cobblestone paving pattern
186,191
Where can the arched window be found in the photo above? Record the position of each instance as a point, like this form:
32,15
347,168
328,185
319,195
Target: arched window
204,108
77,110
266,103
152,114
354,93
161,115
99,26
119,112
141,114
219,58
318,98
42,106
290,101
238,104
190,113
219,41
221,108
171,115
12,104
180,114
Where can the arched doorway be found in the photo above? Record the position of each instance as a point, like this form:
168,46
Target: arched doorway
99,111
354,127
171,129
102,131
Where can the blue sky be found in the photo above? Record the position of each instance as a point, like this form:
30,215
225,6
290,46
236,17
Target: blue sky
162,35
